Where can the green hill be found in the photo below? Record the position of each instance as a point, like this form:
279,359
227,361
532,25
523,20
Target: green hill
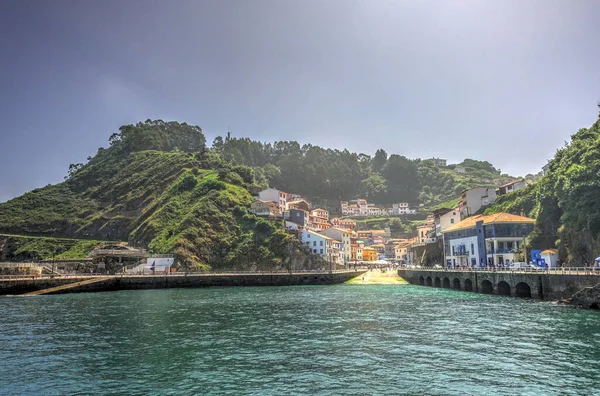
156,187
565,202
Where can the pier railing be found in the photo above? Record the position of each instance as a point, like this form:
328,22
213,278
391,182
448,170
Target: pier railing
564,270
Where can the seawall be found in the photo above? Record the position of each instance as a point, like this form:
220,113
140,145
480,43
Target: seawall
136,282
538,285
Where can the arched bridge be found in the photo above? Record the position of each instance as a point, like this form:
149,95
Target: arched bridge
553,285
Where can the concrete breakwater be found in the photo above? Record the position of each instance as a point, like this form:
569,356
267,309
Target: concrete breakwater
538,285
134,282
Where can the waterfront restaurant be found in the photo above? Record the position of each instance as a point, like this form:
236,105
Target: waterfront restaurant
494,240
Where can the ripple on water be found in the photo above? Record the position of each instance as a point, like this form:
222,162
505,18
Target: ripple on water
313,340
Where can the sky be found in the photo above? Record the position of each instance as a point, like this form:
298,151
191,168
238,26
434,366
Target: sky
505,81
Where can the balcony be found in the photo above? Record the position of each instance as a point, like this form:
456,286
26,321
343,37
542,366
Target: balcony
501,251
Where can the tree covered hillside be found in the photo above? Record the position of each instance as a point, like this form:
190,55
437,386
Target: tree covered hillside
326,175
156,186
565,202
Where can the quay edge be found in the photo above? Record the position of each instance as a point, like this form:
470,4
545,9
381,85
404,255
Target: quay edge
137,282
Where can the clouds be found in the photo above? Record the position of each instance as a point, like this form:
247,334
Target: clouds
504,81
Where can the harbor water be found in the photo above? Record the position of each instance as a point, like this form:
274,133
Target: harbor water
300,340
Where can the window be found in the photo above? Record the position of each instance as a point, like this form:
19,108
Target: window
308,235
315,251
321,242
321,251
451,221
472,249
453,253
314,243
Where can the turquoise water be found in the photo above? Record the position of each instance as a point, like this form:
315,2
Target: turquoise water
306,340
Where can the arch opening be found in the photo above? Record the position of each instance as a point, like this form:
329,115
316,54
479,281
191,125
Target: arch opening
437,282
487,287
523,290
456,284
446,283
421,281
429,282
468,285
503,288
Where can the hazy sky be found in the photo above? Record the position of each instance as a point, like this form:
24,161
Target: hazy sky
505,81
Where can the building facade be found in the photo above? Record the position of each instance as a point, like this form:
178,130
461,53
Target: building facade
511,187
474,199
279,197
495,240
342,236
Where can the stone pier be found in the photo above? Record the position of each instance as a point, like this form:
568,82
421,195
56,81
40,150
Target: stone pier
134,282
539,285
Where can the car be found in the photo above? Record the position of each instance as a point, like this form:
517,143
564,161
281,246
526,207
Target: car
437,266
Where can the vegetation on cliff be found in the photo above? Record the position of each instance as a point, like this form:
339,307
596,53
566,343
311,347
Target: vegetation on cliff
156,186
327,176
565,202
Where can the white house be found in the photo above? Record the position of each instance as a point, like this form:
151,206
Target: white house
279,197
320,213
474,199
444,219
316,242
459,170
342,236
512,186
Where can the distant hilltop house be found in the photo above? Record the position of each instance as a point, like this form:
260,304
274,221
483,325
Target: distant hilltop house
438,161
361,208
459,169
503,180
545,169
265,208
512,186
474,199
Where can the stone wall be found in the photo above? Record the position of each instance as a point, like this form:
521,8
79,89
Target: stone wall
15,287
542,286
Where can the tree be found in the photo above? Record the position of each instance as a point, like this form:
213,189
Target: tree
379,160
218,143
73,169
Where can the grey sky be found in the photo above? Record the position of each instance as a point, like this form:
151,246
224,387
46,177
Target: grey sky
504,81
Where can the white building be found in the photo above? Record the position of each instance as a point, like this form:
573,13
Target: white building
342,236
320,213
495,240
279,197
513,186
474,199
444,219
316,242
459,170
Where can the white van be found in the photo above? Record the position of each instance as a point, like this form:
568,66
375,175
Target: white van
520,264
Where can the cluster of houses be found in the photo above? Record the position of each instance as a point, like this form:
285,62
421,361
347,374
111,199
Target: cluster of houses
467,239
334,239
361,208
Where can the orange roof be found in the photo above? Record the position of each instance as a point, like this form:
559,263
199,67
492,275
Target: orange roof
550,251
491,219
